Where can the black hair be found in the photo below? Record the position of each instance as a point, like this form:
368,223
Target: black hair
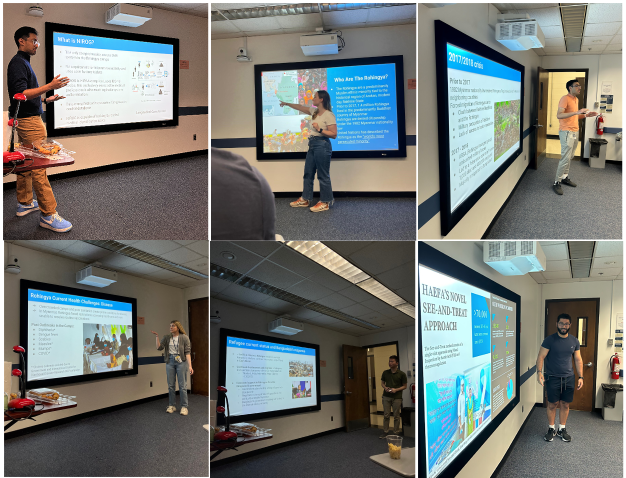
564,316
395,357
23,33
325,97
569,83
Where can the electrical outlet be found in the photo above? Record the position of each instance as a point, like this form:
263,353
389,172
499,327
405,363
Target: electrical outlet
194,137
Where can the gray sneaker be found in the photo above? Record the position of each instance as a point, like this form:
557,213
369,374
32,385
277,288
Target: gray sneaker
550,435
557,188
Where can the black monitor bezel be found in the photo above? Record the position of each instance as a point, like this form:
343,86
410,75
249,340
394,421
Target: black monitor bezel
384,154
445,34
438,261
224,333
50,28
29,284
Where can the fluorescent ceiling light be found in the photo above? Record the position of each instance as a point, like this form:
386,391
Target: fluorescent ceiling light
407,308
378,290
329,259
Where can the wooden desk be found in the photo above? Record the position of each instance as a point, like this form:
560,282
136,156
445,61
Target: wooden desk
40,163
219,447
48,407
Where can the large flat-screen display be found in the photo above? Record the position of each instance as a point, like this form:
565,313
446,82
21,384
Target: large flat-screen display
72,335
468,360
118,80
267,376
367,99
480,107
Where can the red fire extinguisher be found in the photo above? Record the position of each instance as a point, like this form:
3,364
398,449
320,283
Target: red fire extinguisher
413,392
615,368
599,127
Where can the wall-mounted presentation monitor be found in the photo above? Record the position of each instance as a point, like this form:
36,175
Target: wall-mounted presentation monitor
480,108
74,335
468,359
118,80
367,98
267,376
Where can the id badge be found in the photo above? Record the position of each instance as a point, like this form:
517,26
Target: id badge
178,359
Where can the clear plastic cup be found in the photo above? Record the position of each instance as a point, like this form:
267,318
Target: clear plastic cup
394,443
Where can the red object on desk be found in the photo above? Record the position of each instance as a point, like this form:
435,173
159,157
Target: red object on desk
40,163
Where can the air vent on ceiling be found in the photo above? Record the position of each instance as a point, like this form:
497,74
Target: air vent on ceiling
581,255
573,20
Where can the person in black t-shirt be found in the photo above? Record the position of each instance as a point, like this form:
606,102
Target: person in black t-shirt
558,375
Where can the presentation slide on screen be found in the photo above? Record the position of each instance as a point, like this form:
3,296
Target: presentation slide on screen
266,377
469,362
363,100
484,115
112,81
72,335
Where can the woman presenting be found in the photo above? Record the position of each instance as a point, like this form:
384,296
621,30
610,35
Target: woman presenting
177,350
320,150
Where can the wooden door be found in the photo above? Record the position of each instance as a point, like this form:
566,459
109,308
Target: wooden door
584,314
541,120
357,407
582,103
199,336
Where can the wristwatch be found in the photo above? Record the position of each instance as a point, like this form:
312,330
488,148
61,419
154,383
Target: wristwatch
320,130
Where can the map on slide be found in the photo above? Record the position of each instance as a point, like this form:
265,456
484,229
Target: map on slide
506,126
279,86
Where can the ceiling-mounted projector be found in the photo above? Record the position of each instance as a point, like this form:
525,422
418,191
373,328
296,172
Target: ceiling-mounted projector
283,325
514,258
319,44
519,35
128,15
96,277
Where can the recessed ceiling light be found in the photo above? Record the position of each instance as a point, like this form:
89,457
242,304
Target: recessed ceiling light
229,256
329,259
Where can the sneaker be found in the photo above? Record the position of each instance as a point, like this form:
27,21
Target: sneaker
569,182
564,435
320,206
550,435
557,188
299,203
55,222
384,435
170,409
23,210
184,411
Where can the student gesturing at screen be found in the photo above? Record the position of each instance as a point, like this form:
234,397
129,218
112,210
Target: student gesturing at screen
323,127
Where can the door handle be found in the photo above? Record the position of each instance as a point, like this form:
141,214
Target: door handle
588,364
348,393
538,126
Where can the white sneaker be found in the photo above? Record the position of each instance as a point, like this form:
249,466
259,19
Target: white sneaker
170,409
184,411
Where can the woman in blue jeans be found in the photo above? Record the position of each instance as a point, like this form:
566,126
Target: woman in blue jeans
323,127
177,354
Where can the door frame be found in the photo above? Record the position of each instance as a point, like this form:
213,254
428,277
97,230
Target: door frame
595,352
586,70
208,341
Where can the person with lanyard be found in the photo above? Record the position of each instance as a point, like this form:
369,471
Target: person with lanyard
558,375
177,354
324,126
393,382
30,128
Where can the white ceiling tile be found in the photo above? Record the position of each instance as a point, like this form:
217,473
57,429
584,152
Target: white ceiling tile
613,47
604,12
613,262
555,42
199,265
308,20
186,243
599,40
169,275
557,275
602,29
552,32
201,247
609,248
118,261
557,266
560,281
237,6
617,40
546,17
181,255
217,285
142,268
525,6
275,275
550,243
401,12
257,24
556,252
86,252
614,272
223,27
243,295
243,262
592,48
261,248
554,50
156,247
295,262
345,18
538,276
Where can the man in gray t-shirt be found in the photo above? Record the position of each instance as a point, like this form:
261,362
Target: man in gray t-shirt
557,349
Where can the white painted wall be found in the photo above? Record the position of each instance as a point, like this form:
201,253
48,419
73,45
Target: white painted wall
291,427
158,303
233,105
611,294
109,148
489,456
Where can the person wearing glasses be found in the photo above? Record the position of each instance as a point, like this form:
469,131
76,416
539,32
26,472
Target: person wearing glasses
22,79
558,375
568,115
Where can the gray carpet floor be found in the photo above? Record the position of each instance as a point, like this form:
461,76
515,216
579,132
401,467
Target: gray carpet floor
166,200
338,455
596,449
142,440
592,210
349,219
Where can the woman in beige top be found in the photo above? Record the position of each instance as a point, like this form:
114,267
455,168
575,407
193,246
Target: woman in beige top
323,127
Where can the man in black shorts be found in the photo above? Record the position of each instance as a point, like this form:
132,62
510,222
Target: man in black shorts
558,375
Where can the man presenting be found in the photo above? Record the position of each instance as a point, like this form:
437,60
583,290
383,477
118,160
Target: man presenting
393,382
30,128
568,115
559,376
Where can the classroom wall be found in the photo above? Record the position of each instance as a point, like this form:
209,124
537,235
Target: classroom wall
101,149
601,68
489,456
611,294
291,427
158,303
233,105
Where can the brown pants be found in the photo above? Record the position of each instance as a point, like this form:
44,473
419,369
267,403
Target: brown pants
29,130
388,404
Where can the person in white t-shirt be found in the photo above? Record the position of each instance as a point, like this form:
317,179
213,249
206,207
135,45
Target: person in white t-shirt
461,411
323,127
